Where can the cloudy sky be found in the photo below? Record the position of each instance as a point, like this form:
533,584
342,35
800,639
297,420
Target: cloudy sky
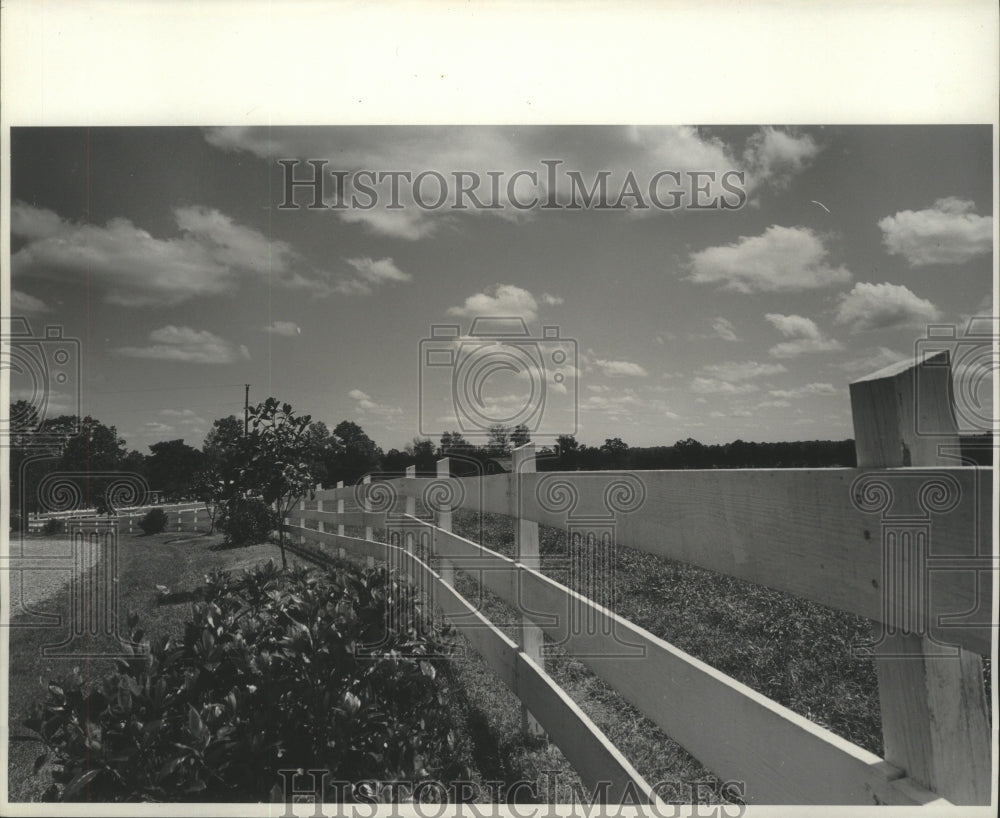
167,254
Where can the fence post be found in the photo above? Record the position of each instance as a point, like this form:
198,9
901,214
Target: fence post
523,462
320,525
446,569
934,722
411,509
369,534
302,521
340,526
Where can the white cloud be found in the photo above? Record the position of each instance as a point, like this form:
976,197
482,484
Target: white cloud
500,301
733,371
155,427
551,300
877,359
366,404
285,328
619,368
777,156
804,391
714,386
949,232
212,256
881,306
23,303
781,259
724,329
794,326
807,337
172,343
411,224
186,416
804,346
370,274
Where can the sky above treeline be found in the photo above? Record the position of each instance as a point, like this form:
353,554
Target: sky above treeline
727,282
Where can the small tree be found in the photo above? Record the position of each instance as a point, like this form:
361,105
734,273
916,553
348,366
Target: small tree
278,459
520,435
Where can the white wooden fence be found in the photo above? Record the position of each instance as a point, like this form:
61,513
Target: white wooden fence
180,517
905,540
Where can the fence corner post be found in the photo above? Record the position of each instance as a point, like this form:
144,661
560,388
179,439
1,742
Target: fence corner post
934,721
523,462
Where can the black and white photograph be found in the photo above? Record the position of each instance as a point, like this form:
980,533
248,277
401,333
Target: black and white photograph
422,461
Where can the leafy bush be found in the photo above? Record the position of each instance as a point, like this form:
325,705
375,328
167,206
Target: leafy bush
154,521
52,526
278,670
246,521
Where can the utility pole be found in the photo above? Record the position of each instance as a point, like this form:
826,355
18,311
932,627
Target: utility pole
246,411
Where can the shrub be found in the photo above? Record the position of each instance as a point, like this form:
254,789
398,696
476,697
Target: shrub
276,671
154,521
52,526
246,521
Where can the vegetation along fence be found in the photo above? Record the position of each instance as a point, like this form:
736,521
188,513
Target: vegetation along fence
905,540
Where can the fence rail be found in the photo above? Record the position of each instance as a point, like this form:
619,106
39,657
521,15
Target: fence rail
907,544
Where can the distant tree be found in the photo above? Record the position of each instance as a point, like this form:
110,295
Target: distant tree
96,448
320,444
614,451
134,462
499,440
422,450
173,467
221,438
353,454
395,461
569,452
520,436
